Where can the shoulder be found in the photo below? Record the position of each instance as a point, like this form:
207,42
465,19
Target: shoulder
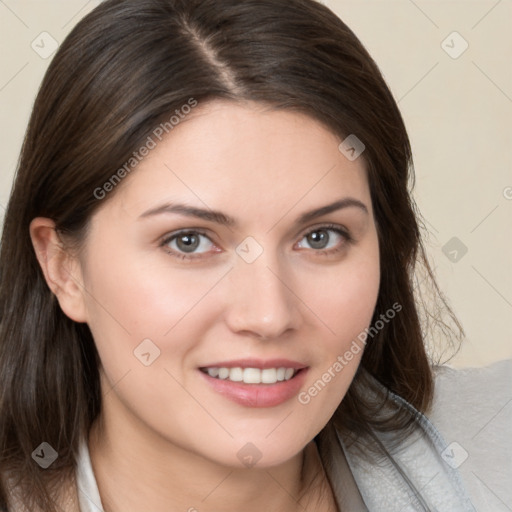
473,411
402,468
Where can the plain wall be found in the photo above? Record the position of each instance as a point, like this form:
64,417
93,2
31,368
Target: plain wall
457,107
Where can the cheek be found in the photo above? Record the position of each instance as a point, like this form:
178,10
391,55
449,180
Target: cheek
356,303
344,302
344,299
129,302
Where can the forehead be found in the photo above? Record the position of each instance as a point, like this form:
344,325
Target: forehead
244,159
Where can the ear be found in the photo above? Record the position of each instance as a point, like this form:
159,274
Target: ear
61,269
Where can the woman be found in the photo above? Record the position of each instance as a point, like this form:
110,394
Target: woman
215,243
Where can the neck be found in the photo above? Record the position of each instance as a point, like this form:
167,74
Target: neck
139,470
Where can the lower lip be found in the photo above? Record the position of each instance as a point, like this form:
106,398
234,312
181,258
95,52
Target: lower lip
258,395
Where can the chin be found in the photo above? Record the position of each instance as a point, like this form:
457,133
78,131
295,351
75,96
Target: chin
259,451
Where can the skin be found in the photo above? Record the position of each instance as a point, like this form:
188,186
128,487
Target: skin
164,436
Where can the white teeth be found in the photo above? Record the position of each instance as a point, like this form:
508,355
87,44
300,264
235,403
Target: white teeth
236,375
223,373
252,375
269,376
288,374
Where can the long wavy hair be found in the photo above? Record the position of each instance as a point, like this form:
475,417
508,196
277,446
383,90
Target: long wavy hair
123,70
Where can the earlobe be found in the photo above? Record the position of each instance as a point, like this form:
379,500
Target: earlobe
60,268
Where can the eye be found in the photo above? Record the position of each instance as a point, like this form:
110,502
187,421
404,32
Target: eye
188,244
325,238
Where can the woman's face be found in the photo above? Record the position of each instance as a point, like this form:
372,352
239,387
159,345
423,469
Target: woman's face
243,245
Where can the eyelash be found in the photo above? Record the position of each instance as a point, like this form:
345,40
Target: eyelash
324,252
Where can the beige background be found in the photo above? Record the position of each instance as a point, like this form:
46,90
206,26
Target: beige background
457,110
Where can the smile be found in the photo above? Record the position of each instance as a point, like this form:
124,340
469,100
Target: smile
254,382
251,375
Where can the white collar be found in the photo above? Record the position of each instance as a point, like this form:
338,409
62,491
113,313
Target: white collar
88,493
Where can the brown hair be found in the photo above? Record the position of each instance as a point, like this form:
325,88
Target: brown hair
122,71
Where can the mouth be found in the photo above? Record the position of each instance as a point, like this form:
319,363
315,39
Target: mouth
252,375
254,382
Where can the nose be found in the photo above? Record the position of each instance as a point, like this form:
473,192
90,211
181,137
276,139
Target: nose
261,302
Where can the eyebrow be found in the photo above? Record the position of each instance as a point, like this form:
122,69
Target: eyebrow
226,220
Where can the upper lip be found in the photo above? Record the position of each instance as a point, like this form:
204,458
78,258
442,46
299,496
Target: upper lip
257,363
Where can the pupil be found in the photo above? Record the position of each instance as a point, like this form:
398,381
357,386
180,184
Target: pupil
188,243
318,239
